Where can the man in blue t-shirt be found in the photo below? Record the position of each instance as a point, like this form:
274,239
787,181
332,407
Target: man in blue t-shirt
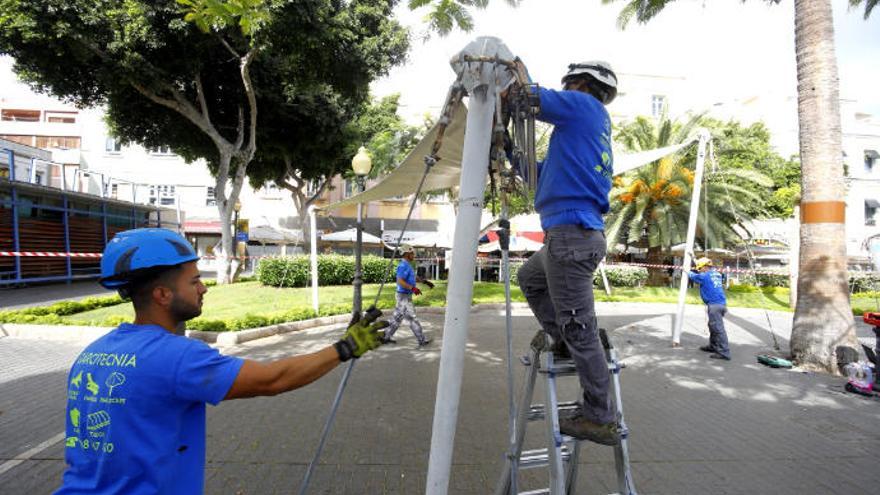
712,293
404,310
572,196
135,418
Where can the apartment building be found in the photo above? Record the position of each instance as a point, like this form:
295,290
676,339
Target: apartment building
651,95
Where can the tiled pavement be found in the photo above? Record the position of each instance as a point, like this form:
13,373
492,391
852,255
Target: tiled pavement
698,426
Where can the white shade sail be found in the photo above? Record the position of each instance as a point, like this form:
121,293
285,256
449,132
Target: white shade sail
350,235
404,180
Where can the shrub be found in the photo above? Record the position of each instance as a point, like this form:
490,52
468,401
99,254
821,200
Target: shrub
864,282
622,276
333,269
375,266
284,271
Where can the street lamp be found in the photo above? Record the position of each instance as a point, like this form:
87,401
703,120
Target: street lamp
236,207
361,164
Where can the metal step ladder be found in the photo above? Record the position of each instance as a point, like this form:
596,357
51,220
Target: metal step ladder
562,452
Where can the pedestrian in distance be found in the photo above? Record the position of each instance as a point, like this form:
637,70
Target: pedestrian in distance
406,289
135,418
571,197
712,293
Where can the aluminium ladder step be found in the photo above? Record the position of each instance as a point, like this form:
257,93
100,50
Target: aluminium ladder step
537,458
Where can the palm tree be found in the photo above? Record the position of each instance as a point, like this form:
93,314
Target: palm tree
651,205
823,327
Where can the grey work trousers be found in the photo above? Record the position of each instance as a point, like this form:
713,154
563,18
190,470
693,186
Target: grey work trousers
717,334
557,281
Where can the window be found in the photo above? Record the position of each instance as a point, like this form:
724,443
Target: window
658,105
114,191
163,194
61,117
349,188
62,142
210,198
38,178
871,207
112,145
871,158
10,115
161,150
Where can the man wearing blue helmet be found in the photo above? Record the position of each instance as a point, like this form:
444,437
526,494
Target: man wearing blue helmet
571,197
136,396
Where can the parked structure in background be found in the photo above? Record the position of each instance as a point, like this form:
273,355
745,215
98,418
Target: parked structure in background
91,160
47,209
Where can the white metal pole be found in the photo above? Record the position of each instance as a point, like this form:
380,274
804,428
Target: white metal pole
678,320
479,79
313,256
604,277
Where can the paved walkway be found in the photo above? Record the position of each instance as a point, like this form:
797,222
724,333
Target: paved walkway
698,426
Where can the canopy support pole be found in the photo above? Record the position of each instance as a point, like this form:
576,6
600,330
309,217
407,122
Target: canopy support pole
678,319
479,79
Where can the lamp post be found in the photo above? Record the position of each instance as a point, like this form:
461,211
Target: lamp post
236,208
361,164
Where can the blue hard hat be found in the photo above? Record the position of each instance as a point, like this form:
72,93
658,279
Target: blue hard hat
131,252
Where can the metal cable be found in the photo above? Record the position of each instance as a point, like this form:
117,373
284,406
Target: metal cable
751,255
454,95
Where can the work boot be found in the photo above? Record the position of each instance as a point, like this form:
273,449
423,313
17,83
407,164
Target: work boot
715,355
388,340
583,429
707,348
425,342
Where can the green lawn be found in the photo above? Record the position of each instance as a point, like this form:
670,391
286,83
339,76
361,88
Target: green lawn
248,299
238,300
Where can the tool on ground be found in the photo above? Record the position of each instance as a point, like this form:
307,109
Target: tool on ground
774,361
562,454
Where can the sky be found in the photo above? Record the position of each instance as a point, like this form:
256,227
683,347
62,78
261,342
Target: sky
731,48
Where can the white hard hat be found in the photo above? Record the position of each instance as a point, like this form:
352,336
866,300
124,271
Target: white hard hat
406,248
600,71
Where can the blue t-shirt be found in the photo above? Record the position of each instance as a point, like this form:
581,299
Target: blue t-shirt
575,178
406,272
711,286
136,412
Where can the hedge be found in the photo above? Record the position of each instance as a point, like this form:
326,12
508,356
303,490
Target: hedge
858,282
333,269
622,276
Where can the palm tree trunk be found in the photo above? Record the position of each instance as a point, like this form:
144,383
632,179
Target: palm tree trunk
823,326
657,277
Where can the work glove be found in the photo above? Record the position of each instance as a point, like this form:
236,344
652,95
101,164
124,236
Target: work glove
363,334
417,291
428,283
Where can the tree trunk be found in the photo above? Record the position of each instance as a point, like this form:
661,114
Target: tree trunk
823,330
656,276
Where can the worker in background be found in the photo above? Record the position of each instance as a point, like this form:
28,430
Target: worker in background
136,396
572,195
712,293
406,288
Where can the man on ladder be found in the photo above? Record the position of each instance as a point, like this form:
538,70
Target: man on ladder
571,197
